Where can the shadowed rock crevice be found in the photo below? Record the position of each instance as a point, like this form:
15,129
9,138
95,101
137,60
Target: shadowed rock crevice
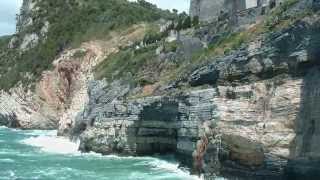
304,156
155,131
9,120
304,159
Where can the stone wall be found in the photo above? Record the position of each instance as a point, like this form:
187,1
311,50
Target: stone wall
207,10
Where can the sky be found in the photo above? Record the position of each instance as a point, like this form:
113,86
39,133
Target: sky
9,9
180,5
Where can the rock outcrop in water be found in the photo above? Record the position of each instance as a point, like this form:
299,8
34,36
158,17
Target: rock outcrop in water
249,113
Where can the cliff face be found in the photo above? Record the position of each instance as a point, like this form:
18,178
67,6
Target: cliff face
249,112
256,120
61,93
257,116
25,38
263,118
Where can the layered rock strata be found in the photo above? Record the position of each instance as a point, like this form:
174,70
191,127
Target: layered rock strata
256,121
250,114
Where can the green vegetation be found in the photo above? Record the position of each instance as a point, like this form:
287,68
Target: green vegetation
280,18
75,21
128,62
195,21
153,35
79,54
183,22
4,41
71,22
136,63
170,46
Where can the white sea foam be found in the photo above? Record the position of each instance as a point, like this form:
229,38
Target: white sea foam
47,141
154,163
159,164
12,174
52,133
5,151
136,175
6,160
52,144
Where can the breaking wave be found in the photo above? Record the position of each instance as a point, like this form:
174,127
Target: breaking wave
48,142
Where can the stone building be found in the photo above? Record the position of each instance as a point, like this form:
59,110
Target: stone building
240,11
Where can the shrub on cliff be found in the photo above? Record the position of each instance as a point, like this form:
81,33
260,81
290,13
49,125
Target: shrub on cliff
195,21
128,62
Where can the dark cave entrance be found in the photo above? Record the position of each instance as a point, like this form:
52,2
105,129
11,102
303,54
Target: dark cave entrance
156,130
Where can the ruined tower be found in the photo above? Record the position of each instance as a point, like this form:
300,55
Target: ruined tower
210,10
207,10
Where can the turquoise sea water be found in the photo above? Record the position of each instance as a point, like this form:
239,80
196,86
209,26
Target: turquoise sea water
27,155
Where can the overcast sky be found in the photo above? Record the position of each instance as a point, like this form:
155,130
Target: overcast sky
9,9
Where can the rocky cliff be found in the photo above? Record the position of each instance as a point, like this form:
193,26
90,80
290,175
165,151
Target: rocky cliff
241,105
254,121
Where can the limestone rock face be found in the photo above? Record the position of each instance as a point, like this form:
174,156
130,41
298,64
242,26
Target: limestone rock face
245,151
74,75
249,114
25,19
29,41
62,92
65,88
19,110
264,104
144,126
255,122
253,117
